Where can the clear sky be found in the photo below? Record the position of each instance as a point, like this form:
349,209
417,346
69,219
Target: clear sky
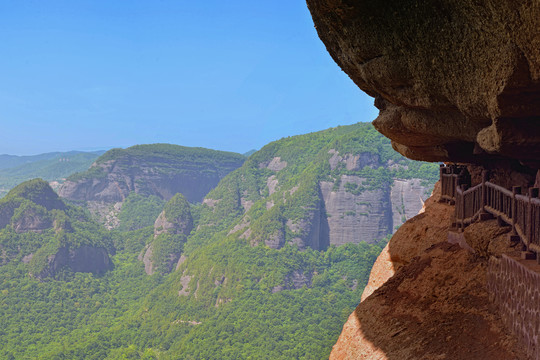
229,75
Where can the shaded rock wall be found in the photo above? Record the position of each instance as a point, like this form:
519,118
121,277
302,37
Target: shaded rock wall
157,169
82,259
314,229
32,220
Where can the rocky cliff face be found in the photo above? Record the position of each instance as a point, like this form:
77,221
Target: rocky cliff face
31,219
345,215
175,218
124,176
371,214
26,207
160,169
353,190
454,81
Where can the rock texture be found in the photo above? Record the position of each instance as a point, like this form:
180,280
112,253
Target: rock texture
173,225
371,214
27,206
382,270
342,215
353,218
31,219
434,305
407,198
455,80
312,231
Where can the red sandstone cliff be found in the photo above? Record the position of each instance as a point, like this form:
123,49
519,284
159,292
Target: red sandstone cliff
435,303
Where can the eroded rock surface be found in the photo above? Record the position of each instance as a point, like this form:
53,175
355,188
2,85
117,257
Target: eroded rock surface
455,80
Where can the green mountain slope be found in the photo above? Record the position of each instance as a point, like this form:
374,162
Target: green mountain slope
262,273
318,189
51,167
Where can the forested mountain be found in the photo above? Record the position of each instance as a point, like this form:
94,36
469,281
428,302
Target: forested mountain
342,185
54,166
155,170
256,270
39,229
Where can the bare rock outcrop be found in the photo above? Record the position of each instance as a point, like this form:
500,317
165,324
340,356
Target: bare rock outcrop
27,207
348,210
377,212
455,80
313,230
31,219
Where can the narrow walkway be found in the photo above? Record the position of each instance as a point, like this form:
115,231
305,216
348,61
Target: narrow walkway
487,200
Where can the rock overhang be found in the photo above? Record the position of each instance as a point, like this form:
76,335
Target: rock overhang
454,80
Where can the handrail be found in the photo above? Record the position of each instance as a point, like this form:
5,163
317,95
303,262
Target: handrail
522,212
498,188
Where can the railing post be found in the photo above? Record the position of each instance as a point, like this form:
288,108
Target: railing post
463,189
533,193
443,181
516,190
456,185
483,214
484,180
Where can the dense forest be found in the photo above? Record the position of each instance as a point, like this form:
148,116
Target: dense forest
229,294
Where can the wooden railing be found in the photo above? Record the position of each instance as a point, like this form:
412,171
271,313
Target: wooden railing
468,204
450,180
487,199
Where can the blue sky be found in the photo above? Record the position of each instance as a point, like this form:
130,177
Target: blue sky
228,75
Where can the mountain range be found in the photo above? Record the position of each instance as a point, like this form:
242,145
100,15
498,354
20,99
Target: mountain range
266,263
